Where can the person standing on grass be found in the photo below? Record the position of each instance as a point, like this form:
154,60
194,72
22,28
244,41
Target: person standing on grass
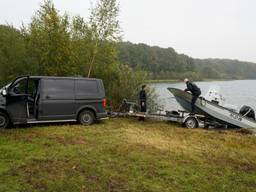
143,101
196,92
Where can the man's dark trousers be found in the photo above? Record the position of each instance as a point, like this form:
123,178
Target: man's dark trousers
193,101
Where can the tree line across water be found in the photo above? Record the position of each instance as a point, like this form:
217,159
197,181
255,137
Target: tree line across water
166,63
62,45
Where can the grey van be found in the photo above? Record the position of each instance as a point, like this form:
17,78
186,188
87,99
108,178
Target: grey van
42,99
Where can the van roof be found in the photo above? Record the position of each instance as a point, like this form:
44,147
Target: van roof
58,77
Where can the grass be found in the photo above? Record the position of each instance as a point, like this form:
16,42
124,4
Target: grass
126,155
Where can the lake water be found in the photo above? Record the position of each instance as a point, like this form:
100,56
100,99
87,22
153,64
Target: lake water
238,93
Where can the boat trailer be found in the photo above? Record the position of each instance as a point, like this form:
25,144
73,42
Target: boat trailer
209,114
181,117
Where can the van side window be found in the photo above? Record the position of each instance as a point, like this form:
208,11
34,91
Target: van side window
58,89
86,87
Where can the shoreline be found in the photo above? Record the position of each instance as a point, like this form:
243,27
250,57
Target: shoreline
202,80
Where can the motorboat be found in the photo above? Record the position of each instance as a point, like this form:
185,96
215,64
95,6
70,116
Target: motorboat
215,110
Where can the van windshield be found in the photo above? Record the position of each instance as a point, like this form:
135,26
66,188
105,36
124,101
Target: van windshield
5,87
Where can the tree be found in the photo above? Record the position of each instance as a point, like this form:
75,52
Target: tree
48,41
103,28
13,54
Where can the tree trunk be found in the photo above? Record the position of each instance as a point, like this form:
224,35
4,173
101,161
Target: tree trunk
93,59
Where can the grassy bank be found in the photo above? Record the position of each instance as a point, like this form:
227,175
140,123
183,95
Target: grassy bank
126,155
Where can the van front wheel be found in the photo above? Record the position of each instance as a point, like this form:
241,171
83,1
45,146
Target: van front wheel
86,117
4,121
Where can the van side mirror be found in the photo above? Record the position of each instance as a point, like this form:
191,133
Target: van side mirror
4,92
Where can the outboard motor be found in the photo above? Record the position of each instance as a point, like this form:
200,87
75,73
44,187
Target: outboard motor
247,111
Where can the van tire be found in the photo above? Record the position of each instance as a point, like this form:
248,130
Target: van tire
86,117
4,120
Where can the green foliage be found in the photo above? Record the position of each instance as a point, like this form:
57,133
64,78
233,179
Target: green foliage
167,64
13,54
225,68
70,46
127,85
161,63
103,31
48,41
103,22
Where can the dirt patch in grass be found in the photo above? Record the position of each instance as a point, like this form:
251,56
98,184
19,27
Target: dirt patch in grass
68,175
67,140
235,164
246,131
31,137
42,173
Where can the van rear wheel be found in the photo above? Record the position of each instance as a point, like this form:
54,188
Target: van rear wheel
4,121
86,117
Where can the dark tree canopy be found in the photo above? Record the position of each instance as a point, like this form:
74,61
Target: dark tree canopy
167,64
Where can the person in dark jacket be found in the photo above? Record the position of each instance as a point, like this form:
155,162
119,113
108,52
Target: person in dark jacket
143,100
195,91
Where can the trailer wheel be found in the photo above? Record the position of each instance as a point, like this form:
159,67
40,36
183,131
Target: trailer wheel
4,121
191,123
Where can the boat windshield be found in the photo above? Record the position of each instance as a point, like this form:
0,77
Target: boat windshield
214,95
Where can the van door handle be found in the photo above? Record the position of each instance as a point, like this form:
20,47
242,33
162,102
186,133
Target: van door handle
47,97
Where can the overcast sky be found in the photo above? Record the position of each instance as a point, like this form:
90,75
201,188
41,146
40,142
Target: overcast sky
198,28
